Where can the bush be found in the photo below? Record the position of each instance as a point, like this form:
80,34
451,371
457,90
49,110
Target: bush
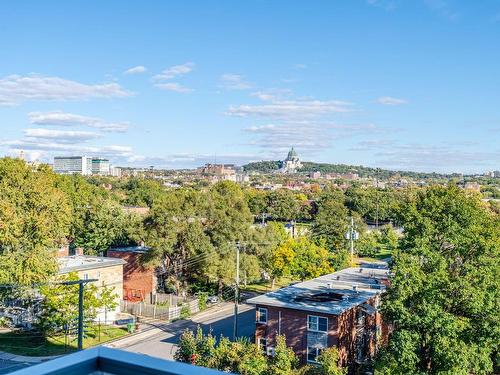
185,311
202,301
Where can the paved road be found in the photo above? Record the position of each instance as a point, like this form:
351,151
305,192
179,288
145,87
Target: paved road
218,320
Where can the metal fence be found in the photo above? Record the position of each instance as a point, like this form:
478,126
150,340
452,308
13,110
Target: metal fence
155,311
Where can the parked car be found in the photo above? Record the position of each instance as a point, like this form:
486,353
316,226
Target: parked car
212,299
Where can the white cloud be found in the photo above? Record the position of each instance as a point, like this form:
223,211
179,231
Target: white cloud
16,89
60,118
60,135
286,109
272,94
173,86
308,137
234,82
171,73
136,70
388,100
299,66
174,71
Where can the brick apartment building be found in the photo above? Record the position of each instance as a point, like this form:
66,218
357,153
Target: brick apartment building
139,282
339,309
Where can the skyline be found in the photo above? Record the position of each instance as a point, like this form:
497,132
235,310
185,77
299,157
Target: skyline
391,84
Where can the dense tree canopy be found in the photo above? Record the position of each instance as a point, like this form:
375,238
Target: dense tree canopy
34,220
445,292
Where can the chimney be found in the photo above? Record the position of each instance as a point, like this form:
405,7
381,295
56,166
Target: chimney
142,244
79,251
355,288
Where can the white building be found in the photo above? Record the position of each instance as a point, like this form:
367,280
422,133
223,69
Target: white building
291,163
73,165
115,171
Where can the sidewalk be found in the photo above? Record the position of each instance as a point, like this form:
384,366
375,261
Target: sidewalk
153,327
24,359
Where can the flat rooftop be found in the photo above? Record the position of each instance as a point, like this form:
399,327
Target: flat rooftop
75,263
330,294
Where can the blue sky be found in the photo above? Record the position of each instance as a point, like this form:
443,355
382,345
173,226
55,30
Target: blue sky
408,84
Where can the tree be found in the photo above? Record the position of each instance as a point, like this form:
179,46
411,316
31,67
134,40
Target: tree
443,299
107,300
228,216
328,364
34,221
331,221
310,260
302,259
178,238
142,192
60,304
240,356
284,361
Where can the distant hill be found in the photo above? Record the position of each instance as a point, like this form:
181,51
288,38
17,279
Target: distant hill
308,167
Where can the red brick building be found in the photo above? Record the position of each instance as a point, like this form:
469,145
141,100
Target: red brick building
139,282
339,309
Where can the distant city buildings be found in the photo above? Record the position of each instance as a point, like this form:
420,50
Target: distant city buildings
73,165
223,172
495,174
85,165
291,163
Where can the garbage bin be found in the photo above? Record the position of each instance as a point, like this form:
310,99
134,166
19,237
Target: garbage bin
130,327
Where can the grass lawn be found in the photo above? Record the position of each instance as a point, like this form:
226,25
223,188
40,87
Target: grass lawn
34,344
382,254
266,286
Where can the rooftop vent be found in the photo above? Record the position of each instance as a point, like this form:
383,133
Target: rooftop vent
360,270
355,288
329,285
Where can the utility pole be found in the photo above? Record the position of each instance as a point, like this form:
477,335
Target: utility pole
351,231
236,292
376,215
351,235
81,285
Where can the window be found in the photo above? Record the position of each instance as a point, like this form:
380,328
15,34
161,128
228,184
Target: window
85,276
261,315
262,343
317,323
313,353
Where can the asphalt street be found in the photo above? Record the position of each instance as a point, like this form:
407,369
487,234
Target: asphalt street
218,320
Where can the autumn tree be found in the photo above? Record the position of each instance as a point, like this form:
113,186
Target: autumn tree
302,259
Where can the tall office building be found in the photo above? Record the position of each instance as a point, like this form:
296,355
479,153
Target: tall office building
73,165
100,166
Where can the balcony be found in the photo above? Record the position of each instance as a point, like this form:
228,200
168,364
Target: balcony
102,360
